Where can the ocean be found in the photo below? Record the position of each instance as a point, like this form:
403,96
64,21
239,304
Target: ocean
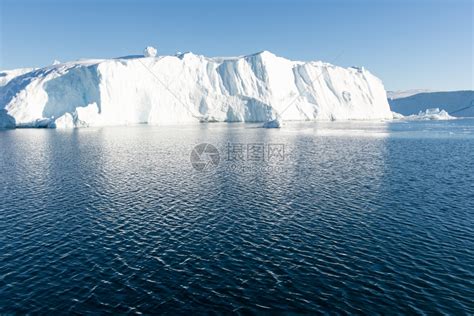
341,217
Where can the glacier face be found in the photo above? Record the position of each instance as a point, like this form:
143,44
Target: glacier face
189,88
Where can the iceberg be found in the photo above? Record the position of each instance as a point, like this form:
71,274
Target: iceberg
7,75
149,52
65,121
6,121
188,88
276,123
434,114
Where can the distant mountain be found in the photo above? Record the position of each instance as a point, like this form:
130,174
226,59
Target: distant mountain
456,103
406,93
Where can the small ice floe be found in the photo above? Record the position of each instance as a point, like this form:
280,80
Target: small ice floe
276,123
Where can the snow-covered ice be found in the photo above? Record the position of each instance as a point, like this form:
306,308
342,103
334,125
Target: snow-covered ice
432,114
189,88
428,114
7,75
149,52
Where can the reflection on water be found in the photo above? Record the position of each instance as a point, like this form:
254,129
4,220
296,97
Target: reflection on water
357,217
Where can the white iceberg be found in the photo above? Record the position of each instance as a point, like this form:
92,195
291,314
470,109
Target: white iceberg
7,75
191,88
149,52
428,114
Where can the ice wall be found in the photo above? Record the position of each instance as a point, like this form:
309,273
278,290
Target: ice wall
191,88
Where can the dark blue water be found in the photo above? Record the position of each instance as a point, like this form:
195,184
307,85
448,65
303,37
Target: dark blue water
357,218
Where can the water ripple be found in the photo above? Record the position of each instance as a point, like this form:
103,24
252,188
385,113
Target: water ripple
116,220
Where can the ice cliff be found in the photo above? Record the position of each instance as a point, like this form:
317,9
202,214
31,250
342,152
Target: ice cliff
188,88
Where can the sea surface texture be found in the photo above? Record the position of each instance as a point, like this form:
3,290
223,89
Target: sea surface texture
313,217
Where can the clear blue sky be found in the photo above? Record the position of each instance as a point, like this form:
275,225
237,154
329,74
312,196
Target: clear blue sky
408,44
